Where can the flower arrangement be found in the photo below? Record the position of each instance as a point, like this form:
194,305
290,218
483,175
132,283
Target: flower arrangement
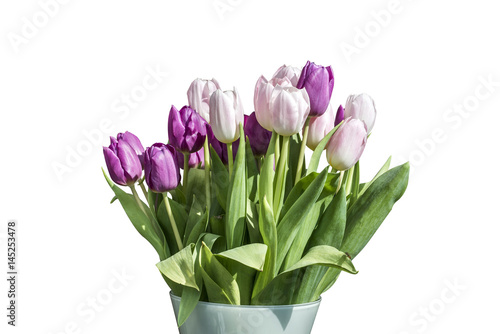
252,223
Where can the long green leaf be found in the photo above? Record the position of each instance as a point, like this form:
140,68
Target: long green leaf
382,170
220,178
267,173
316,156
180,267
325,256
180,217
251,255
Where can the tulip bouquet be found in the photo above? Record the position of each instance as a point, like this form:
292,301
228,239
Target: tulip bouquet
252,223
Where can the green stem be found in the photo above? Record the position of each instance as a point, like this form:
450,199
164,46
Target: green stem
302,150
339,182
281,177
186,173
348,185
277,150
172,221
207,175
230,158
144,191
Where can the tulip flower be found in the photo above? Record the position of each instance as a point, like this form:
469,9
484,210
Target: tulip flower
123,162
361,107
318,82
196,159
186,130
289,72
339,116
161,168
134,142
262,98
319,127
199,96
226,115
258,136
347,144
290,109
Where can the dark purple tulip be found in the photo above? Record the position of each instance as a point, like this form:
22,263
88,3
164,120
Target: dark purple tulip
133,141
318,82
219,147
186,129
161,168
340,115
123,163
258,136
194,159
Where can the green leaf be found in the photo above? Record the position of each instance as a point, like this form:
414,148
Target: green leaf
196,186
355,185
325,256
180,267
195,213
252,174
382,170
290,224
267,173
370,210
221,285
147,227
253,222
251,255
199,228
237,201
180,217
316,156
220,178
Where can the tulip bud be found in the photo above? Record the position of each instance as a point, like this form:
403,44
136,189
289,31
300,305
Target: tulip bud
258,136
319,127
186,130
199,96
290,108
318,82
289,72
361,107
226,115
122,161
196,159
347,144
262,98
340,115
134,142
161,168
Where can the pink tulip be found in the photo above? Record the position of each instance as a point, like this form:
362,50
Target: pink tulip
226,115
262,98
319,127
347,144
289,72
289,107
361,107
199,96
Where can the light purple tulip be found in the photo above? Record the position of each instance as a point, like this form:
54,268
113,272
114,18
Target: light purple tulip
347,144
258,136
362,107
318,81
161,168
319,127
123,162
196,159
226,115
289,72
133,141
186,130
290,109
262,98
199,93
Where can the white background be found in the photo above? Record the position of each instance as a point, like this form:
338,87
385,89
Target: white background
423,64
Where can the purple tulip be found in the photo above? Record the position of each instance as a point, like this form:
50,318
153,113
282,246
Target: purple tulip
318,82
258,136
199,96
133,141
340,115
186,130
123,162
219,147
347,144
195,159
362,107
161,168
